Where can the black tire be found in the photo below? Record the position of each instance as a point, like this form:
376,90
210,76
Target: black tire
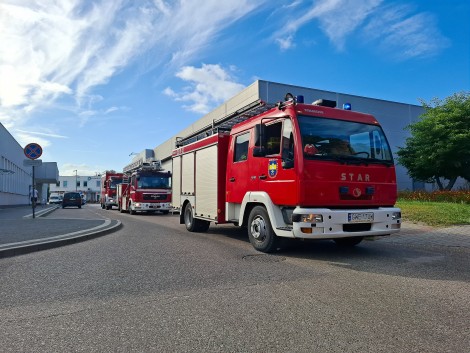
203,226
80,206
260,231
192,224
189,221
102,206
348,242
108,207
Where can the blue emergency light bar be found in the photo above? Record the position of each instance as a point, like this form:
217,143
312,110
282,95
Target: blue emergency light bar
347,106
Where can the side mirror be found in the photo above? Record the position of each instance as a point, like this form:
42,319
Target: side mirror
259,152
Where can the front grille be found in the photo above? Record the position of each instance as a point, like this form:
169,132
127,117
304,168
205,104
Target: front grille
357,227
155,197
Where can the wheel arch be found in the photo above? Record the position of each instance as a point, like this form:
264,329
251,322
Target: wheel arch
253,199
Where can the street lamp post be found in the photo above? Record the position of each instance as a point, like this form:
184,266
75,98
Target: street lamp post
76,179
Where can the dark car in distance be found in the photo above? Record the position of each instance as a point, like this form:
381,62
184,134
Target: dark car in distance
72,199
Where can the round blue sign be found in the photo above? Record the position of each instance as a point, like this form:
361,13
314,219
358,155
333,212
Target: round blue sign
33,151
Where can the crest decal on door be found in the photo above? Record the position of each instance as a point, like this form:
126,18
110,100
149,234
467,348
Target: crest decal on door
272,168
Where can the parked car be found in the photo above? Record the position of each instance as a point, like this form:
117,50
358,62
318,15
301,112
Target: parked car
53,199
72,199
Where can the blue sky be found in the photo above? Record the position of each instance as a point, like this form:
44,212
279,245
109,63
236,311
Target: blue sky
94,81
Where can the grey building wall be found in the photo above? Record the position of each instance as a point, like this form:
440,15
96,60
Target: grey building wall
393,117
15,179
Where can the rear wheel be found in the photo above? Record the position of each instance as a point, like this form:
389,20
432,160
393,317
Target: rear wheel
260,231
192,224
348,242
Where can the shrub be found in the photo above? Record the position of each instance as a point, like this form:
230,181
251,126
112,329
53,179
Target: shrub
436,196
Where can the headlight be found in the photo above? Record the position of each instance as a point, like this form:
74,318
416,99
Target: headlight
396,215
307,218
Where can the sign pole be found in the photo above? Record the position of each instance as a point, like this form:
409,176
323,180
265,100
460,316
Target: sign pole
33,151
33,200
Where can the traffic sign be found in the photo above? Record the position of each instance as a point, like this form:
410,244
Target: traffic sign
33,151
32,162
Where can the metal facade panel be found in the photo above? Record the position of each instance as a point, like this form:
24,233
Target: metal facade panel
206,182
393,116
187,174
176,182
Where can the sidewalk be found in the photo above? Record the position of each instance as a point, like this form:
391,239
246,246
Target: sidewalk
20,233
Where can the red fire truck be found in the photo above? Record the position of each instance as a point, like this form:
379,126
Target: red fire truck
290,170
109,180
146,188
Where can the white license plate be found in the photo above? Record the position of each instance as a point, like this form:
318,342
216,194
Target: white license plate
362,217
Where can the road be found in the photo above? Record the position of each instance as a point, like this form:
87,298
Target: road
153,287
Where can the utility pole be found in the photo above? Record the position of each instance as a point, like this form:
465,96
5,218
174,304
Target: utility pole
76,180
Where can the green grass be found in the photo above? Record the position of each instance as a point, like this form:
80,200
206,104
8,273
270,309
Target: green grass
437,214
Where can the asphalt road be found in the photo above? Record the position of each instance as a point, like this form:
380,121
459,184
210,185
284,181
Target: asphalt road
153,287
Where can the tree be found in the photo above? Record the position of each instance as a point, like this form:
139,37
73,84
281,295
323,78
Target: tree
439,146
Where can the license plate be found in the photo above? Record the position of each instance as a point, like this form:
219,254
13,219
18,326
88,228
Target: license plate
363,217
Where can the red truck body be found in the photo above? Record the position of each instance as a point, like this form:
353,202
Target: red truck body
109,182
147,188
295,171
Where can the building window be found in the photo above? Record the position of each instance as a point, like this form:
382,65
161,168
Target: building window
85,184
98,183
58,184
65,183
78,184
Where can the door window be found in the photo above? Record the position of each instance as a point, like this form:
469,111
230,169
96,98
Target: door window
241,147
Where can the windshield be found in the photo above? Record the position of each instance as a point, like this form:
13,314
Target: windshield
162,181
114,182
333,139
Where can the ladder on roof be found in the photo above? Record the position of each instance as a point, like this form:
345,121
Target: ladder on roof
226,122
148,164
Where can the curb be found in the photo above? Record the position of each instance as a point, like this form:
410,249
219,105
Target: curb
29,246
43,212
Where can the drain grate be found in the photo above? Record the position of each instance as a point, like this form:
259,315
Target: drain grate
263,258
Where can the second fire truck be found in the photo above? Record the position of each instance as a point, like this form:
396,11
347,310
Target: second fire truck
109,181
146,188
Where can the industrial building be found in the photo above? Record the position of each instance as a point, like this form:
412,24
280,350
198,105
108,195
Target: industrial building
393,117
88,185
16,178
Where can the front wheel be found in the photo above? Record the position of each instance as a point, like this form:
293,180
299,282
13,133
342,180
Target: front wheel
260,231
131,210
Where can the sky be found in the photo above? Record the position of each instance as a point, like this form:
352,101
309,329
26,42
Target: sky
94,82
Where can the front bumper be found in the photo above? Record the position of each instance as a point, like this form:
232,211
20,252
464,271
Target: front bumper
337,223
151,206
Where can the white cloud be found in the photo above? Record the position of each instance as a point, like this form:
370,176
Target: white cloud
406,35
37,133
55,49
395,28
210,85
285,43
82,169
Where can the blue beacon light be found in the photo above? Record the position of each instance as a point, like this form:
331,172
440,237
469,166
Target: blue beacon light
347,106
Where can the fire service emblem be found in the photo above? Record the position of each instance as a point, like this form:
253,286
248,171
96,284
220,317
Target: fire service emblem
272,168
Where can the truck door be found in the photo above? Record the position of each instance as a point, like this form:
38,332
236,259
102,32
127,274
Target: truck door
241,177
277,176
